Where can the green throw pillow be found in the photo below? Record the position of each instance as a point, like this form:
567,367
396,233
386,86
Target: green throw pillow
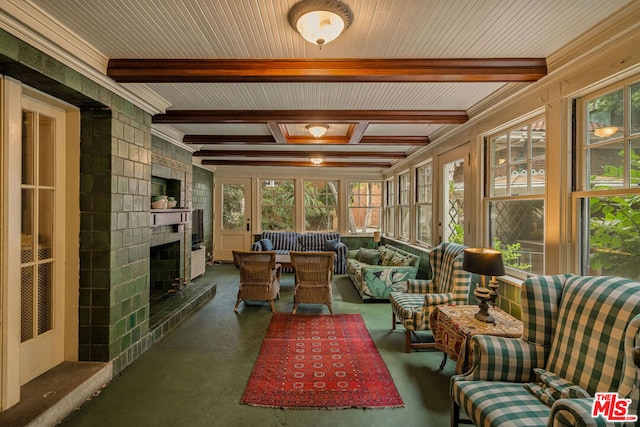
368,256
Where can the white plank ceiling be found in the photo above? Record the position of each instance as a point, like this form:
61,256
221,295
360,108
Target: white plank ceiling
258,29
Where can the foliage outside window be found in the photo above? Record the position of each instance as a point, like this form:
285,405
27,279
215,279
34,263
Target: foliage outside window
277,205
424,203
365,207
320,205
233,201
610,241
516,186
389,208
403,204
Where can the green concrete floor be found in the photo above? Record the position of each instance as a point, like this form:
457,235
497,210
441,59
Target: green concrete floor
196,375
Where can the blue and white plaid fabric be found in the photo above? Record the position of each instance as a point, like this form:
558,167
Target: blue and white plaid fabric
287,241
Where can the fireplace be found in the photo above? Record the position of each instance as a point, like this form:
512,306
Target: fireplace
165,267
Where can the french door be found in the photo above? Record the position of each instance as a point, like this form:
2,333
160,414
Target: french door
42,262
233,223
454,174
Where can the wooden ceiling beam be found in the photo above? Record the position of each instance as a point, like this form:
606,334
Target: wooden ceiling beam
302,154
284,163
307,116
228,139
327,70
395,140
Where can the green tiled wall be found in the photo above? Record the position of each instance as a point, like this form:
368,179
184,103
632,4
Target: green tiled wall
115,182
202,198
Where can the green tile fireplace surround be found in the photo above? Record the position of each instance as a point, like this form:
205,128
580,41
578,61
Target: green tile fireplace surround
115,182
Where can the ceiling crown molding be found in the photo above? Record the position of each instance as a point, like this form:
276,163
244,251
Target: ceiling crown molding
172,136
30,24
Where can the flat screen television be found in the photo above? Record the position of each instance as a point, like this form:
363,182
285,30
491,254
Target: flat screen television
197,226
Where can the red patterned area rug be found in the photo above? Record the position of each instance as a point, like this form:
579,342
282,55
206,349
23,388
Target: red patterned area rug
320,361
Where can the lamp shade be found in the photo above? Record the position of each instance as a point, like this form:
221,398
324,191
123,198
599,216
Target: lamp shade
483,261
376,236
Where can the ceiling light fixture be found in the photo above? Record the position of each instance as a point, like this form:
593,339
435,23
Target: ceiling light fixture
317,130
320,21
606,131
316,161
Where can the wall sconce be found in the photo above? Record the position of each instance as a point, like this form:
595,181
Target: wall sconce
317,161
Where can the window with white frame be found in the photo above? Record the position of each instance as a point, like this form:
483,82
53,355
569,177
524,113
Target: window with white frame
403,205
365,206
609,200
277,205
390,208
424,203
515,201
321,205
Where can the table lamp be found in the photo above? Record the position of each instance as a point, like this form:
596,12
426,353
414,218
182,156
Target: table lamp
376,237
485,262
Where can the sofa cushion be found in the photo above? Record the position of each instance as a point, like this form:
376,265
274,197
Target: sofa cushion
331,245
368,256
266,244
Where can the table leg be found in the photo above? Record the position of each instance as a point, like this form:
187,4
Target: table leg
444,360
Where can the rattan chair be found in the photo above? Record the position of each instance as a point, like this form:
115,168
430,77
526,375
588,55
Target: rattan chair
259,276
313,272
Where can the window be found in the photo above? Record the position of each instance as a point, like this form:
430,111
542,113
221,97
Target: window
424,203
390,208
365,207
516,189
277,205
610,200
320,205
403,204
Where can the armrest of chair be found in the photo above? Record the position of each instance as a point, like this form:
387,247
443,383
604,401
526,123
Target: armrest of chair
438,299
277,271
256,246
421,286
503,359
574,412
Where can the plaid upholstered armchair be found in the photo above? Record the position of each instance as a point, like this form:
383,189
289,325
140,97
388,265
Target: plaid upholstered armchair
448,285
578,340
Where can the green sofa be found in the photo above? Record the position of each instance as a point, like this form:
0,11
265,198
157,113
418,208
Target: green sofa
377,272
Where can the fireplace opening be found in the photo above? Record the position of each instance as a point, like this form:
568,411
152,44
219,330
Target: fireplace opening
165,270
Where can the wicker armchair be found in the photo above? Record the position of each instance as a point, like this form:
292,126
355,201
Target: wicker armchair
313,271
259,276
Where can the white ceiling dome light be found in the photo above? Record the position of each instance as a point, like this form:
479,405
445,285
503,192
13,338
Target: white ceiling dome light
317,130
320,21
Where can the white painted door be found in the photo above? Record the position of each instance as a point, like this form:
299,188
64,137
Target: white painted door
42,213
233,224
454,166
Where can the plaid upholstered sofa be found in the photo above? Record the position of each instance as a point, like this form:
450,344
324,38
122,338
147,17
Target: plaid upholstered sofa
578,340
285,241
449,284
377,272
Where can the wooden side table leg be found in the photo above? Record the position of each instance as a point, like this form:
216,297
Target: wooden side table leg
444,360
